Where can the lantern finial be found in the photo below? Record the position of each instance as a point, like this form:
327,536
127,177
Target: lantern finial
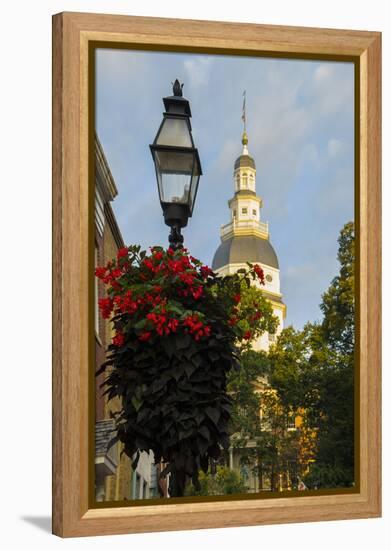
177,88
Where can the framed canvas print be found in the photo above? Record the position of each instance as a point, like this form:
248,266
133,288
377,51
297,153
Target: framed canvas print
216,268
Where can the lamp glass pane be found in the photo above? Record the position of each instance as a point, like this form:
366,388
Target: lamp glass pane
174,131
174,171
193,191
194,184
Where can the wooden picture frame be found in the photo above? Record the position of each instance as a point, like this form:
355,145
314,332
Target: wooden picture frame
73,34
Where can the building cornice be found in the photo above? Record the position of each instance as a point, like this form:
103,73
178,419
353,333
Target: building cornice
112,222
245,196
275,304
104,177
236,232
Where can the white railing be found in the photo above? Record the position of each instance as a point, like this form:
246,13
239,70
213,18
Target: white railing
263,227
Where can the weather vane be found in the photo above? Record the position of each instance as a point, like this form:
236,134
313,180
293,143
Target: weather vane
244,111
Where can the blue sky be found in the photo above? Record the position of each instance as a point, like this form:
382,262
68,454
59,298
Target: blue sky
300,124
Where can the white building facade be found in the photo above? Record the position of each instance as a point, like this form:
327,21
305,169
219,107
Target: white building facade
246,239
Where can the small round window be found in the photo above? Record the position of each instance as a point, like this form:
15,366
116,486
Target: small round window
269,278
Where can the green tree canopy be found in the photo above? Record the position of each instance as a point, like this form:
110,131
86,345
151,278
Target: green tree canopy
338,301
313,369
223,482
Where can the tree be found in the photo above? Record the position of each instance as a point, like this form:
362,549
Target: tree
313,369
335,457
242,382
245,418
254,308
338,301
223,482
259,421
290,370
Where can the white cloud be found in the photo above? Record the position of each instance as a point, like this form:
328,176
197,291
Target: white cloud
299,115
323,72
120,67
334,147
198,70
332,89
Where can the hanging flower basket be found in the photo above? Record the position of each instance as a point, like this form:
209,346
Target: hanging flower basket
178,328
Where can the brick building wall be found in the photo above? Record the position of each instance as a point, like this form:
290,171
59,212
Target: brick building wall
113,473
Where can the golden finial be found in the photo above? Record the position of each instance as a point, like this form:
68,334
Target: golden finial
244,138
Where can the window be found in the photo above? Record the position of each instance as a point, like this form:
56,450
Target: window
153,486
137,486
244,210
234,213
254,212
269,278
272,337
245,181
145,490
291,422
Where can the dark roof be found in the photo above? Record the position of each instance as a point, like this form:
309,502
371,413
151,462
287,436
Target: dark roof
104,432
244,161
245,248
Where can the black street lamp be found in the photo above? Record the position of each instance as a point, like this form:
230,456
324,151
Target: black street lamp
177,164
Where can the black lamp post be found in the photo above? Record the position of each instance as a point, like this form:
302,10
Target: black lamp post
177,164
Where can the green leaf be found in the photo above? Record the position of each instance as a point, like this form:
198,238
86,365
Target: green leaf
214,356
168,345
183,341
214,414
197,360
189,369
141,324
